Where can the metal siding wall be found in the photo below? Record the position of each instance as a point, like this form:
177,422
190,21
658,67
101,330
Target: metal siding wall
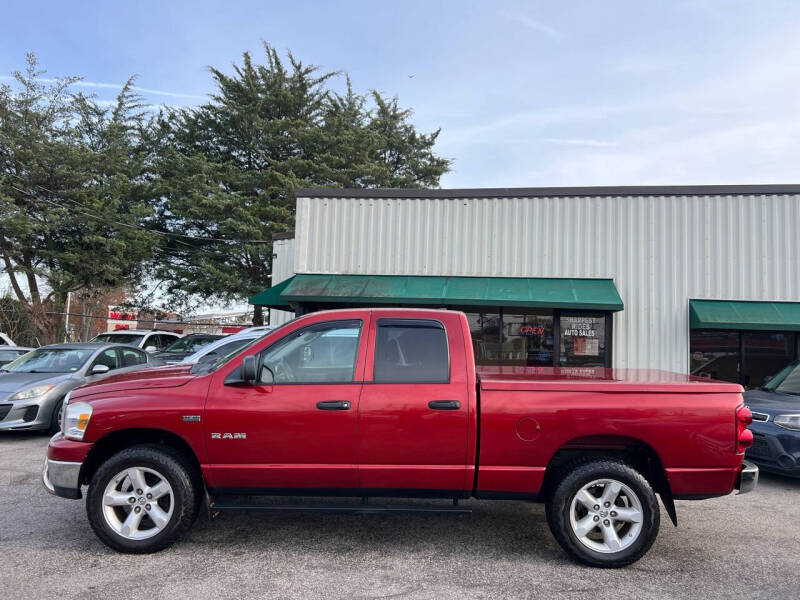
661,251
282,268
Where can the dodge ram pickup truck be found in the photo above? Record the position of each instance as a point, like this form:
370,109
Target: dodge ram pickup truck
353,405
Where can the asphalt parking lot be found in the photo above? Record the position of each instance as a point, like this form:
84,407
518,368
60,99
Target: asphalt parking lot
747,546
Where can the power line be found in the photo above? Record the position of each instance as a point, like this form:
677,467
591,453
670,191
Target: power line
129,225
188,246
154,320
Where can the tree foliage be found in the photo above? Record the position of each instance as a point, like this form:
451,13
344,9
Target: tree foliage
227,170
73,188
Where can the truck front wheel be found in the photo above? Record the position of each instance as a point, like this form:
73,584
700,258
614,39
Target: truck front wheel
141,500
604,513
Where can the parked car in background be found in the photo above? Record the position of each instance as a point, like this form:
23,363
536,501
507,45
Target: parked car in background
33,386
188,344
228,344
776,422
150,340
9,353
5,340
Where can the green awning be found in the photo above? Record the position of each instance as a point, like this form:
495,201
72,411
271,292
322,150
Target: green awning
271,297
729,314
586,294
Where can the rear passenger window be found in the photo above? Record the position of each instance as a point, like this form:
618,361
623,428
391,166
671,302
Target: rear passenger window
411,351
131,357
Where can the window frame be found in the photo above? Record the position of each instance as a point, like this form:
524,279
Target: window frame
441,326
300,331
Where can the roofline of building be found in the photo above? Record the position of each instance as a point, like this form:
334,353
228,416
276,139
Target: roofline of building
283,235
633,190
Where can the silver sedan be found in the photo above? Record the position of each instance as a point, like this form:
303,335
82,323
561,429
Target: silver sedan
33,386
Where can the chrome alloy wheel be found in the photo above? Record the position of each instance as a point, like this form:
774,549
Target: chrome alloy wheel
606,516
138,503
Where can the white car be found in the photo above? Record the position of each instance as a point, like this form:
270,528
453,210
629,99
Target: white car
149,340
228,344
5,340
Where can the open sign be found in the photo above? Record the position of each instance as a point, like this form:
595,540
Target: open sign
531,330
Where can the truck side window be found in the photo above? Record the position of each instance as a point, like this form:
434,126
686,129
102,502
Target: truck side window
411,351
321,353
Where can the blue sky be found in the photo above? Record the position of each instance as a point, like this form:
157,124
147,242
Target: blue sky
526,93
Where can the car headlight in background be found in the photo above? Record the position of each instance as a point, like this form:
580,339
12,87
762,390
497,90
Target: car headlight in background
64,403
34,392
76,420
788,422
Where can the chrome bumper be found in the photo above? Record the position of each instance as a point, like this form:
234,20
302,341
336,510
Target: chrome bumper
748,478
62,478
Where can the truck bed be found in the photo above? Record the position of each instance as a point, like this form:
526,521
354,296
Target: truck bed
529,414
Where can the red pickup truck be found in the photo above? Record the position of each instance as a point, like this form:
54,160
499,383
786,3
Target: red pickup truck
368,403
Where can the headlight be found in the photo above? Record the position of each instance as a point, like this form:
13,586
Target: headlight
76,420
788,422
39,390
64,413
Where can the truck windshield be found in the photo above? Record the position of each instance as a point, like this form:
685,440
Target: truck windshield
203,367
786,381
214,363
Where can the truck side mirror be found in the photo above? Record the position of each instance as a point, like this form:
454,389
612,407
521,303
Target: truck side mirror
249,369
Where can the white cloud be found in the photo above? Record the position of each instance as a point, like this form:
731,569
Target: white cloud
117,86
579,142
537,26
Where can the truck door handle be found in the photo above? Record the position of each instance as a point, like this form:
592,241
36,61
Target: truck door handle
333,405
444,404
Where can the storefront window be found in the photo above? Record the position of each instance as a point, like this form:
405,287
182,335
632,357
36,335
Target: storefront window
745,357
765,353
715,355
583,339
527,338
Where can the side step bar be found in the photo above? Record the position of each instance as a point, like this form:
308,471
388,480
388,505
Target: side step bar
365,508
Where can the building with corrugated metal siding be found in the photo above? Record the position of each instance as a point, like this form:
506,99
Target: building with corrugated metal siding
704,279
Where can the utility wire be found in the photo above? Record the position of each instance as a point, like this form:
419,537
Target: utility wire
129,225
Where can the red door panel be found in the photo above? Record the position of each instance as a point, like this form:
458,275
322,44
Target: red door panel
404,441
290,434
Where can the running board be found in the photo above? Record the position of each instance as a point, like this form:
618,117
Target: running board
364,508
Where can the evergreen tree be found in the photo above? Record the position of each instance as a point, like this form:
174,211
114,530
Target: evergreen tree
73,190
227,170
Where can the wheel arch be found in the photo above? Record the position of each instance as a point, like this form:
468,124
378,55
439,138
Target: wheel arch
116,441
636,452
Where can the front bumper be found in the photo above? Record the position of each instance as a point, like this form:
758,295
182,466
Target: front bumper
62,478
35,413
775,449
748,478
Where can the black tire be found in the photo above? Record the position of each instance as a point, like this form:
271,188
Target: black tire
560,504
185,500
55,419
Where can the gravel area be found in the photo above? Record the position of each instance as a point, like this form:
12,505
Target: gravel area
745,546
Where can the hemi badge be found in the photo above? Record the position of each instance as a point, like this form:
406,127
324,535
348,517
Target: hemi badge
191,418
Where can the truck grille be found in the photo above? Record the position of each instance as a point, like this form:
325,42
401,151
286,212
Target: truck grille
757,416
4,410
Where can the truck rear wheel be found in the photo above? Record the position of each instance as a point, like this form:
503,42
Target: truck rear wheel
604,513
141,500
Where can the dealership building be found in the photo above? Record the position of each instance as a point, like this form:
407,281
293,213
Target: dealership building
700,279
